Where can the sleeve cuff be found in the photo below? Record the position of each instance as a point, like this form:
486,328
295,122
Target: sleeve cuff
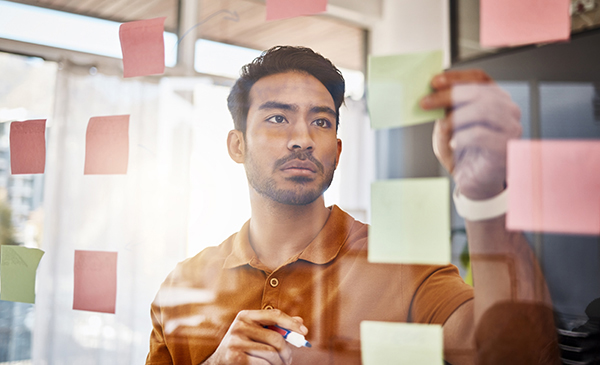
478,210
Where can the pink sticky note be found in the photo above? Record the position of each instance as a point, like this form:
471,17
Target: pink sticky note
107,145
554,186
28,147
95,281
143,47
283,9
516,22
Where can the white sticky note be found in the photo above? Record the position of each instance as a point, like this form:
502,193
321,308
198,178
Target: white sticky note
387,343
410,221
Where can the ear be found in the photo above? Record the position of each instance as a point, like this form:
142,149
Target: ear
339,152
235,146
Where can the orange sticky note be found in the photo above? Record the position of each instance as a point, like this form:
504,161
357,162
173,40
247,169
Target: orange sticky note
554,186
516,22
143,47
107,145
95,281
283,9
28,147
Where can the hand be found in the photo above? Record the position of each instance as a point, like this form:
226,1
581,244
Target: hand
471,141
248,342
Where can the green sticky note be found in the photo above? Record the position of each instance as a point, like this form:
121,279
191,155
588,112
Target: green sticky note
18,266
396,84
410,221
385,343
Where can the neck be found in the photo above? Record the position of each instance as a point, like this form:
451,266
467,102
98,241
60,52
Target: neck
280,231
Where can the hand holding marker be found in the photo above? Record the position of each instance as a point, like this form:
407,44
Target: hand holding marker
292,337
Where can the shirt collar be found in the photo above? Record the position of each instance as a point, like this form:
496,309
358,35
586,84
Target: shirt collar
323,248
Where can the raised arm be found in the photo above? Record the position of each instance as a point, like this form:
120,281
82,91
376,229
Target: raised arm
471,143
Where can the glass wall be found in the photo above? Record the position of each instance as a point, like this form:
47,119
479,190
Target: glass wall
179,179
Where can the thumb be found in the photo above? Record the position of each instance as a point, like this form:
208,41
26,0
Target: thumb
442,134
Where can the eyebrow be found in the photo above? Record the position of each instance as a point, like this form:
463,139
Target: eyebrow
278,105
323,109
294,107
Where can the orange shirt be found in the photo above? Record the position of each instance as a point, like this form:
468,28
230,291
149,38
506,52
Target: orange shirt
330,284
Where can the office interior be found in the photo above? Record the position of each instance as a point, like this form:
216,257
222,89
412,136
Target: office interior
180,175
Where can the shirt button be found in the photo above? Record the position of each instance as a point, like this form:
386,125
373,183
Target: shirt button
268,307
274,282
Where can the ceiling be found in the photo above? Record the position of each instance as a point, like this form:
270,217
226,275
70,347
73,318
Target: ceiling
339,41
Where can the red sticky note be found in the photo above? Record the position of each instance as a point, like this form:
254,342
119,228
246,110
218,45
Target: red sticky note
554,186
143,47
95,281
283,9
516,22
28,147
107,145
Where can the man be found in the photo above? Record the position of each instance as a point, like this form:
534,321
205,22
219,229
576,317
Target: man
303,266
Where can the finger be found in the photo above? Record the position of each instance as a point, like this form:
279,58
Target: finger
480,137
258,333
436,100
503,118
468,93
458,94
268,354
241,350
442,134
274,317
453,77
262,342
256,361
479,161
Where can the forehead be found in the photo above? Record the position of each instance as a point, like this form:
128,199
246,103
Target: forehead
293,86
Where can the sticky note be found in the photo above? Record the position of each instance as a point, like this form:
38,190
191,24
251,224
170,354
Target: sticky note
28,147
554,186
517,22
18,266
107,145
387,343
282,9
143,47
95,281
410,221
396,83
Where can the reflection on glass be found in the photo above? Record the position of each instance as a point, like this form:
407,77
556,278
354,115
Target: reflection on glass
27,93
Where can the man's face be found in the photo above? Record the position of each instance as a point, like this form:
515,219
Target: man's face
291,146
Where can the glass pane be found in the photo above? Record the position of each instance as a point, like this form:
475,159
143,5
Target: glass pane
27,92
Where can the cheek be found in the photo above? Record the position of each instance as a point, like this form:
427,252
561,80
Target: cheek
265,138
330,156
261,153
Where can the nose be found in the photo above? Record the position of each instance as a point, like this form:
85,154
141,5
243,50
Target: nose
300,138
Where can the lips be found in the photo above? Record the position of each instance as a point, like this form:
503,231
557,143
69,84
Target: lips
299,165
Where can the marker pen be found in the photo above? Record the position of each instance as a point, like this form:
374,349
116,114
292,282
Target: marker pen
292,337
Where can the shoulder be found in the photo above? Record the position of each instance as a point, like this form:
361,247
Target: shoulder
356,232
195,270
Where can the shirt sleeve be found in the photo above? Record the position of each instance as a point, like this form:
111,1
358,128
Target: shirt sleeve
438,292
159,353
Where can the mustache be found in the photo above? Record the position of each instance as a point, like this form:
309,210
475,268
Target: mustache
299,155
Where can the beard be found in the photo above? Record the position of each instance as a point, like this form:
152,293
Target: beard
306,189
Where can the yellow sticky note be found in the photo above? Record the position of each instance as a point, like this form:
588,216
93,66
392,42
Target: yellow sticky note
385,343
410,221
396,83
18,266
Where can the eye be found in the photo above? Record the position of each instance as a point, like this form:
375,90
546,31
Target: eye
323,123
277,119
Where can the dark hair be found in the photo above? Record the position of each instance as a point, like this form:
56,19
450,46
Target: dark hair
282,59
